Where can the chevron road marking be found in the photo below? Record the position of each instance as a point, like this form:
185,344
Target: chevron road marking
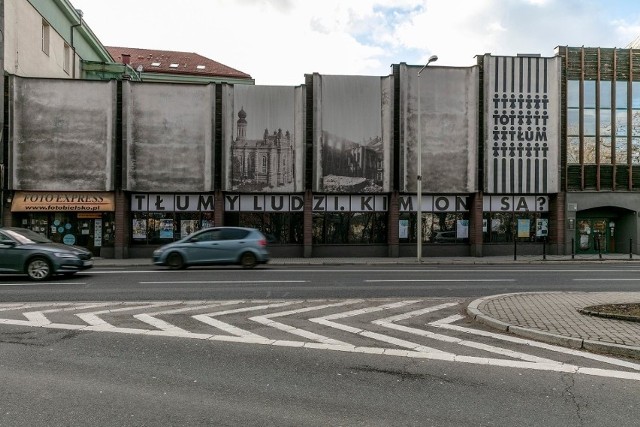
412,350
38,318
98,324
446,324
389,322
174,330
328,321
266,320
234,330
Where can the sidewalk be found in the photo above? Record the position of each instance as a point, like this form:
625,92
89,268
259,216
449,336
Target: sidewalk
551,317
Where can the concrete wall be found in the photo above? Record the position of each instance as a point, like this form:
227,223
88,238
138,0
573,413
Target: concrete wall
449,117
61,134
168,137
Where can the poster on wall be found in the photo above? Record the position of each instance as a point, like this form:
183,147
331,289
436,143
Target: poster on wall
264,136
403,231
522,100
352,133
188,226
462,229
542,227
523,227
166,229
139,227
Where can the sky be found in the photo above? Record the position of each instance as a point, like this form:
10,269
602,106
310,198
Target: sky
277,42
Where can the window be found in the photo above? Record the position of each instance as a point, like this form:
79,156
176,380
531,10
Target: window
438,227
67,58
46,29
354,227
279,228
502,227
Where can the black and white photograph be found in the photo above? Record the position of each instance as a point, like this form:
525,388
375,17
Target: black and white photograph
352,149
266,139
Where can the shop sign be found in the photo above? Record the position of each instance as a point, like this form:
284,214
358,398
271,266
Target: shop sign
434,203
516,204
263,203
172,203
32,201
350,203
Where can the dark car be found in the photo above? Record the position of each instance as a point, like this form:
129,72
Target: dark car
25,251
218,245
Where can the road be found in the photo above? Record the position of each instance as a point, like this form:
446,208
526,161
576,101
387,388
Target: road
156,283
299,346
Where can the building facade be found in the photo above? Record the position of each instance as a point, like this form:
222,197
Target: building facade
520,153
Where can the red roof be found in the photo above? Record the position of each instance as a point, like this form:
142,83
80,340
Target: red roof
173,62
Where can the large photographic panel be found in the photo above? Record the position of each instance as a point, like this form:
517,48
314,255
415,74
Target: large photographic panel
352,133
263,135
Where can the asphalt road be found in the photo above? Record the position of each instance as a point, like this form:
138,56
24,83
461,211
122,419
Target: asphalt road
157,283
274,359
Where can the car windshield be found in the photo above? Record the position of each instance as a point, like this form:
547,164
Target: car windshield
26,236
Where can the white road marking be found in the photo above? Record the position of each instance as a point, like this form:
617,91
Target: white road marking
389,322
419,352
446,324
234,330
266,320
605,280
328,321
438,280
42,284
218,282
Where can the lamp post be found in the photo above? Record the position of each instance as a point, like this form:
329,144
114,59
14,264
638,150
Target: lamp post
432,58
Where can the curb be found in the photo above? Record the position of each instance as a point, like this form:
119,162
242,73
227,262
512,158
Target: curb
477,315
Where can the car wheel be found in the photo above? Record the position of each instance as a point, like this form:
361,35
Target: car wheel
248,260
39,269
175,261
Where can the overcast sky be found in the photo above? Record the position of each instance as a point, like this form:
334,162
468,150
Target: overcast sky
277,42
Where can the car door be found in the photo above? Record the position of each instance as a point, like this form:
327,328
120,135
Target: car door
204,247
11,258
233,242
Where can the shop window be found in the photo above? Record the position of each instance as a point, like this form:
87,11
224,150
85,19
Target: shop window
352,227
437,227
165,227
504,227
278,228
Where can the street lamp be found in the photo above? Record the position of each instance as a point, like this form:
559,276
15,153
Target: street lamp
432,58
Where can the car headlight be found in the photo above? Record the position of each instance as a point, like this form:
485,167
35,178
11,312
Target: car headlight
65,255
157,252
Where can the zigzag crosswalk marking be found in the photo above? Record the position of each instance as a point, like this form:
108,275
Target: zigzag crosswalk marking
115,317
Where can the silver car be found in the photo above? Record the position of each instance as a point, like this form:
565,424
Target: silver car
25,251
219,245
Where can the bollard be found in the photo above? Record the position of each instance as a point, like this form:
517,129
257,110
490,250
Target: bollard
630,248
544,248
515,247
573,249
